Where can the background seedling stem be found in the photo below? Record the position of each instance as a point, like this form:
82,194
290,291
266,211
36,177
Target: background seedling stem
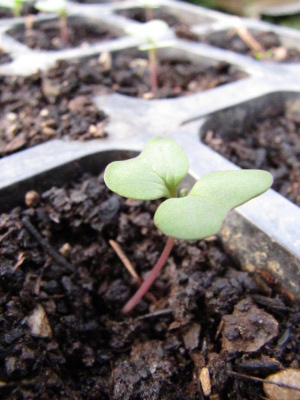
58,7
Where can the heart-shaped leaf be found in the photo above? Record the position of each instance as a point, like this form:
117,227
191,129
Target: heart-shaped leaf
201,213
155,173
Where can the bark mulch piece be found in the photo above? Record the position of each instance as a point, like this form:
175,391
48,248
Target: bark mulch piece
33,112
62,334
272,143
270,41
46,35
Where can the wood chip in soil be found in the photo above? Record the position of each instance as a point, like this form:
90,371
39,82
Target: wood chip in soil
62,334
271,143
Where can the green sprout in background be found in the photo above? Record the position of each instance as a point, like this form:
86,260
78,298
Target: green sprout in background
57,7
157,172
14,5
151,32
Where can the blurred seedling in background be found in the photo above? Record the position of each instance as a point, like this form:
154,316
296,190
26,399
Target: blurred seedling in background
149,7
194,215
151,32
56,7
14,5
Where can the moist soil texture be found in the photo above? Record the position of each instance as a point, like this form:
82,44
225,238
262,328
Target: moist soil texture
58,103
128,74
4,57
272,48
209,326
33,111
271,143
47,35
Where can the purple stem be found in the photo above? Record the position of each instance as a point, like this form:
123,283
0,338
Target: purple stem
142,290
153,70
64,29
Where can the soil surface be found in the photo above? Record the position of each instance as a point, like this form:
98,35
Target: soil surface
272,49
144,15
273,144
129,75
62,334
33,112
47,35
58,103
4,57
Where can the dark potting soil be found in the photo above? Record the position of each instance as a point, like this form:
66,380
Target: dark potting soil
58,104
143,15
32,112
62,334
4,57
6,13
129,75
272,143
270,41
46,35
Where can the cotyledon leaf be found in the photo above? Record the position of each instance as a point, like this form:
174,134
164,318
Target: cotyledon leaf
151,31
155,173
201,213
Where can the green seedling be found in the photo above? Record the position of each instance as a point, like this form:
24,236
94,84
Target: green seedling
14,5
151,32
157,172
57,7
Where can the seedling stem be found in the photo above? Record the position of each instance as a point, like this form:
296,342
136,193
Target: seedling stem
157,172
143,289
153,69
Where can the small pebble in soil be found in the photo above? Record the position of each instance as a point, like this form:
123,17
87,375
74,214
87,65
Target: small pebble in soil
39,324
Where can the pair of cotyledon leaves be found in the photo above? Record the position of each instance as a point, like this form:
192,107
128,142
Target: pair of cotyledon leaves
152,32
156,173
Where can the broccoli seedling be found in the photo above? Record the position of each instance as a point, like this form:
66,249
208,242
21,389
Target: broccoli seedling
157,172
14,5
57,7
151,32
